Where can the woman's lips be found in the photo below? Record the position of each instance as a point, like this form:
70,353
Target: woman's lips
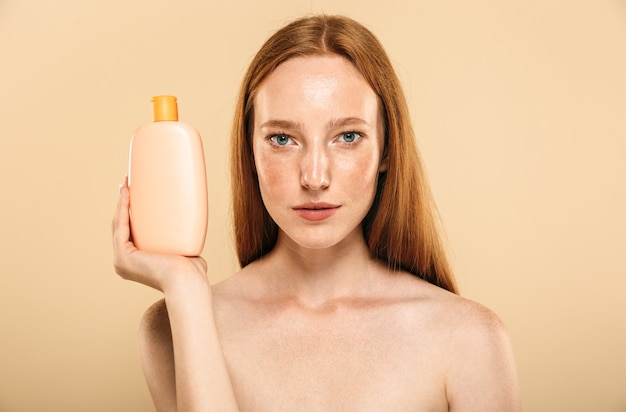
316,211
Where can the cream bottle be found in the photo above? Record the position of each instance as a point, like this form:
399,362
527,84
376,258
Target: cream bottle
167,184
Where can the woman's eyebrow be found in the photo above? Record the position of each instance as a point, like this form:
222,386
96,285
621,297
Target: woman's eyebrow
346,121
332,123
281,124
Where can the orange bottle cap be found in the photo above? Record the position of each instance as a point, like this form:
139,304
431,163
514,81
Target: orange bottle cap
164,108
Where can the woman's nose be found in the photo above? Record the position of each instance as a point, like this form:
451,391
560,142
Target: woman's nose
315,174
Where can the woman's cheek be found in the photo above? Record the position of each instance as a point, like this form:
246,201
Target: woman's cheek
362,168
272,175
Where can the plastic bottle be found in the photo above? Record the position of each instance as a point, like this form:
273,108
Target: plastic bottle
167,183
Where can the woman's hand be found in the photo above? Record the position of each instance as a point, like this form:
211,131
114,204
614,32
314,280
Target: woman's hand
158,271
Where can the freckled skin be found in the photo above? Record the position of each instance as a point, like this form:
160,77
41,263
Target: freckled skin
317,165
318,324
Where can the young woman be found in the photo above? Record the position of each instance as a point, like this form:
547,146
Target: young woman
345,300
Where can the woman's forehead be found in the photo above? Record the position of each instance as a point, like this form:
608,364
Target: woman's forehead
306,84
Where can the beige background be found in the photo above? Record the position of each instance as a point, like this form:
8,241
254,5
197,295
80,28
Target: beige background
520,108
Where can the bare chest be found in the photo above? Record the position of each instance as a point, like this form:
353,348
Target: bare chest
343,360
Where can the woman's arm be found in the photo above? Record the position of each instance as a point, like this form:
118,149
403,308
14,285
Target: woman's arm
181,353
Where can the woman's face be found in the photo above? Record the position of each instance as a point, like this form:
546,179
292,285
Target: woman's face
317,142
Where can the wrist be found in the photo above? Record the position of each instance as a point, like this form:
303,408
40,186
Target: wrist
185,286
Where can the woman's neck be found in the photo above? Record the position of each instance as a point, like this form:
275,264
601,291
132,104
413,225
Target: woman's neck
317,277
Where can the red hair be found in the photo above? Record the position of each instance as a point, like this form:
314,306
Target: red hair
401,227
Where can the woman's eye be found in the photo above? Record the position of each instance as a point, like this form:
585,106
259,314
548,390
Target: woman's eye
350,137
280,139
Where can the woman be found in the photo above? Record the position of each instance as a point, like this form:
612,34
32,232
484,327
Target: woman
345,300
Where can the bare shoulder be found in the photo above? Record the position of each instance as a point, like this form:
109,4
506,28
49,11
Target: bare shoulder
472,319
480,366
155,320
473,344
475,330
463,317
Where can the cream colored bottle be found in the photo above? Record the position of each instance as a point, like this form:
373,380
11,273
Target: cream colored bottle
167,184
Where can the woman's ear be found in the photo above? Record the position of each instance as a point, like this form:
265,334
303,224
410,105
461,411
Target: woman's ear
384,165
384,162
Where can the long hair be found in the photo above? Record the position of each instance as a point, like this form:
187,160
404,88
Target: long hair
401,227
